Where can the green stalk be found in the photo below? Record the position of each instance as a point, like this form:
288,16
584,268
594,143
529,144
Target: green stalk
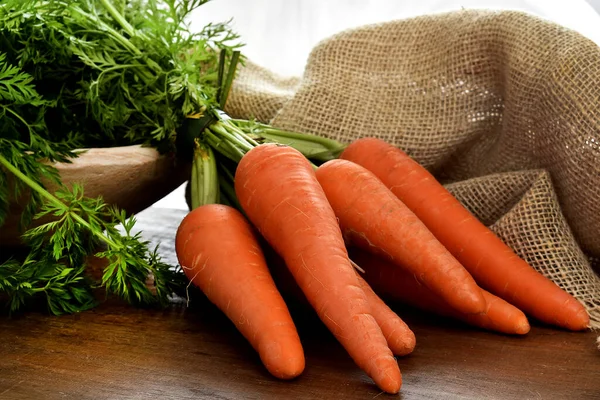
130,31
221,129
220,72
52,199
330,144
228,174
229,193
205,178
227,188
235,58
257,128
118,17
116,35
313,149
31,183
20,118
225,148
234,129
311,146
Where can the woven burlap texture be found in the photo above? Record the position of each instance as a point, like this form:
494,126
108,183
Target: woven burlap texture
501,106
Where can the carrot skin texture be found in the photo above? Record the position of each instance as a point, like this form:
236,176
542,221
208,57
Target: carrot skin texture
493,264
399,285
400,338
279,193
372,218
219,253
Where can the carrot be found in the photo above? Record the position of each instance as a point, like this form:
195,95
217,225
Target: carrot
492,263
277,188
400,338
219,253
397,284
372,218
283,278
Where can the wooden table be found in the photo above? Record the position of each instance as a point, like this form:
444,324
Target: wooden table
118,352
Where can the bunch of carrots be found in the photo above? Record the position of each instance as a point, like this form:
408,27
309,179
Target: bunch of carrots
372,222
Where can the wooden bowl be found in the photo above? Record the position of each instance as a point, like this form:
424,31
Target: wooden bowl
130,177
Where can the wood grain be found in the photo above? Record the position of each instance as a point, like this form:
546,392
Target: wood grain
119,352
130,177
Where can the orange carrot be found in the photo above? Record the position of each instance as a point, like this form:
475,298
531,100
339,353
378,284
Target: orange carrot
397,284
277,188
372,218
493,264
219,253
400,338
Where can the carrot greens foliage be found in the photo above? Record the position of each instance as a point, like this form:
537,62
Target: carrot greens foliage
102,73
92,73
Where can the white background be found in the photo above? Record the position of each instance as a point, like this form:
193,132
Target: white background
279,34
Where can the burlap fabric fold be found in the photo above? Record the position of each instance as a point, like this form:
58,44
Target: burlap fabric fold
501,106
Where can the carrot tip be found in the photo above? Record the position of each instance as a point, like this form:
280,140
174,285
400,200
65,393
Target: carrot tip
390,385
389,379
281,361
405,347
523,328
289,372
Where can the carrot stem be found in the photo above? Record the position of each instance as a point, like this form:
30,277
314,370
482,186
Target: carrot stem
204,180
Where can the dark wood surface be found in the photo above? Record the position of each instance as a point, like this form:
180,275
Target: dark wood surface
194,352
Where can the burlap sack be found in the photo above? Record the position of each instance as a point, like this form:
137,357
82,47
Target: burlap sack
501,106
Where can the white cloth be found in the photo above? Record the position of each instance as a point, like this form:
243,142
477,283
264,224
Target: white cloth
279,34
